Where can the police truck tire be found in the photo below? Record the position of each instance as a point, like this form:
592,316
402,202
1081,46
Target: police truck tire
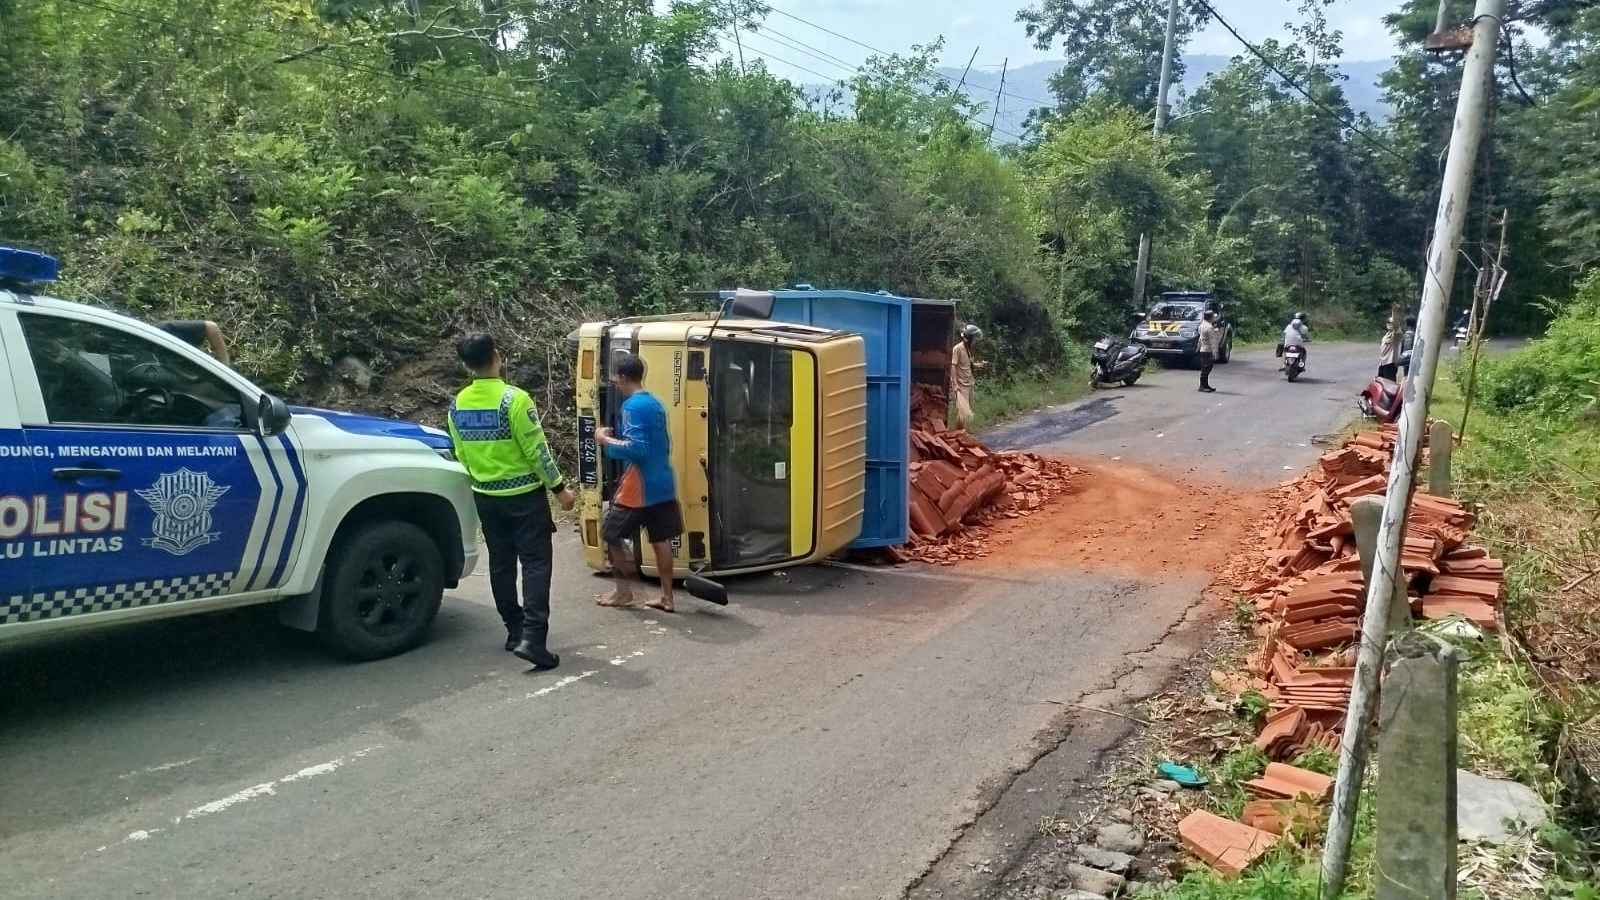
381,591
1227,350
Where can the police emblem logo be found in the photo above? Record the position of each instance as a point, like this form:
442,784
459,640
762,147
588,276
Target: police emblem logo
182,502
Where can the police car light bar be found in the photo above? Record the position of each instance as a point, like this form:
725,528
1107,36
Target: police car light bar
26,265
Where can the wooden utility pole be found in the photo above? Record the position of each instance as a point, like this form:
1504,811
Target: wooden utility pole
1455,197
964,72
1141,270
1491,280
999,92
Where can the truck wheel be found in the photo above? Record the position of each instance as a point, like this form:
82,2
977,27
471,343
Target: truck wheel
1227,350
381,591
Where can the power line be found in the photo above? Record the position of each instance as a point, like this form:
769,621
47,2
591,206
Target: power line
794,65
824,58
1296,85
881,52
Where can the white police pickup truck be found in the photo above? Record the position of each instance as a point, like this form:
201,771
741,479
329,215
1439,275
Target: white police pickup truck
141,478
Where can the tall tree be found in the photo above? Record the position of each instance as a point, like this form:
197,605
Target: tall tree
1112,48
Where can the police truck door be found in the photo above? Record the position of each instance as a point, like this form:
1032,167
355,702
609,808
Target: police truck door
147,487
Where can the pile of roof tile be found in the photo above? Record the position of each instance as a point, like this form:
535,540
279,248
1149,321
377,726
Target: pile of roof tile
956,481
1309,598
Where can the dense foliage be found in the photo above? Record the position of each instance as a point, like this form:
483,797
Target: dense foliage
370,178
1558,373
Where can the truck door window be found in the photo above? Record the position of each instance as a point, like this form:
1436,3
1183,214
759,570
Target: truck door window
90,374
752,396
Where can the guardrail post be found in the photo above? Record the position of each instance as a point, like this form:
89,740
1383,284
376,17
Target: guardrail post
1441,443
1416,797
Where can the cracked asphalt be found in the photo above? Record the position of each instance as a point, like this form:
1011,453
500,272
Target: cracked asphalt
835,732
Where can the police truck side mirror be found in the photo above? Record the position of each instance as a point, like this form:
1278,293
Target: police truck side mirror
272,415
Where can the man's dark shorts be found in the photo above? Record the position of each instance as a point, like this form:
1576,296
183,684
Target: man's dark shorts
661,522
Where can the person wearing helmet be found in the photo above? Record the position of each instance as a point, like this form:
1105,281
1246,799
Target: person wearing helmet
1296,334
961,380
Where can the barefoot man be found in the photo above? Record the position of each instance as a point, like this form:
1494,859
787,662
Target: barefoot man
647,496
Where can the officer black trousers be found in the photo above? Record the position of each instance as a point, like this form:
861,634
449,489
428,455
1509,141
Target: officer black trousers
517,529
1206,362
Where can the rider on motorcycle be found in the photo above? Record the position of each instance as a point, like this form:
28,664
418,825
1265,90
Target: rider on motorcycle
1296,334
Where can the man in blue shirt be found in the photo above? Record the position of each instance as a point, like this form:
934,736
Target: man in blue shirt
647,495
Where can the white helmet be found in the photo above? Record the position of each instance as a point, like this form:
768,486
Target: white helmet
972,332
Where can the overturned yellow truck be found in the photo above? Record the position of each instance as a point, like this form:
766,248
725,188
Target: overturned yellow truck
768,422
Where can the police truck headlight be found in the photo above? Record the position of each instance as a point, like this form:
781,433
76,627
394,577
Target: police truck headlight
446,454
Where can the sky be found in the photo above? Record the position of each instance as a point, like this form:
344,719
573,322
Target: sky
991,27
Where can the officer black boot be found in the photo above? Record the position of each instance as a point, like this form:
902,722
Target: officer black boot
512,639
532,647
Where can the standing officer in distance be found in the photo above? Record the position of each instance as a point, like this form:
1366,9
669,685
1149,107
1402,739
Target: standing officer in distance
1209,345
497,436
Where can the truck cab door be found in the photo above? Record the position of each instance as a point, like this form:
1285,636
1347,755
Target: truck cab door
149,489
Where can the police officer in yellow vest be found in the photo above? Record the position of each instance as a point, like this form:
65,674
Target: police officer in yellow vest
498,438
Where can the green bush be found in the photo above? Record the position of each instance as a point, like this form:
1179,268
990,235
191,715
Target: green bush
1556,374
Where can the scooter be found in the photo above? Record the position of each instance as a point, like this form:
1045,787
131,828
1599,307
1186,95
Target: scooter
1294,362
1381,400
1114,360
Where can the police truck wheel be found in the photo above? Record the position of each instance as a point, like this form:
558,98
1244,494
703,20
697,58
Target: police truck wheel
381,591
1226,353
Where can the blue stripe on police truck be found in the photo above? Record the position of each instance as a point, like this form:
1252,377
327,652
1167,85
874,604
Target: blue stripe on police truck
296,506
272,517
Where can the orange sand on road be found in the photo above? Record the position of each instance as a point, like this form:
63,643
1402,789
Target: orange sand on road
1126,518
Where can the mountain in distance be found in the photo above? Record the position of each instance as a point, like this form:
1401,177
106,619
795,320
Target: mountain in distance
1033,81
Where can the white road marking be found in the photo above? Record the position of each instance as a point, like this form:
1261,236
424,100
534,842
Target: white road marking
264,789
619,660
550,689
268,788
150,770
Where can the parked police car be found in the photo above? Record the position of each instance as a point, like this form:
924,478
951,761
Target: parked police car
140,478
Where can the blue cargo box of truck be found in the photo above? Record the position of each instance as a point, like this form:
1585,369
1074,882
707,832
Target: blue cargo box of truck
908,340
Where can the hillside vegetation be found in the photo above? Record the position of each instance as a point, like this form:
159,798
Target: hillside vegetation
371,178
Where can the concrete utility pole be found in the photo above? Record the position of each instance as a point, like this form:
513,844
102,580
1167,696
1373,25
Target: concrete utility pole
1454,198
1142,270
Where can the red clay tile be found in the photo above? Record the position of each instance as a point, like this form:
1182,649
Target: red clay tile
1227,846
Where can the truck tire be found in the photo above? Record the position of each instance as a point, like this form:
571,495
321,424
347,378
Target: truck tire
1227,349
381,590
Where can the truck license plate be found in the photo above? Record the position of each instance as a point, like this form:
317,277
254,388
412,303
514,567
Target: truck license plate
588,453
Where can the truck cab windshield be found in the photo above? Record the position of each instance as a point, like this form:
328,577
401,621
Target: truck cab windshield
752,395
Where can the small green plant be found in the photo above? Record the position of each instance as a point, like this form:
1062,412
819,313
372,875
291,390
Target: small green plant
1319,760
1252,705
1241,765
1244,611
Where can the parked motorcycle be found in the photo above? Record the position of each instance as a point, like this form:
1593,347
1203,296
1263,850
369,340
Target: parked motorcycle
1294,362
1114,360
1381,400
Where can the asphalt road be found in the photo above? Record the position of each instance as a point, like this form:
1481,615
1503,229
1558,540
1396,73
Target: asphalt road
1254,428
829,734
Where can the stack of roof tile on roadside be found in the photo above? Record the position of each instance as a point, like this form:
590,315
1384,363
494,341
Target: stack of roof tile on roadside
1309,599
956,481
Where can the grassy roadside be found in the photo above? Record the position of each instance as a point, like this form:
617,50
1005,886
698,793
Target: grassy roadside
1529,702
996,402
